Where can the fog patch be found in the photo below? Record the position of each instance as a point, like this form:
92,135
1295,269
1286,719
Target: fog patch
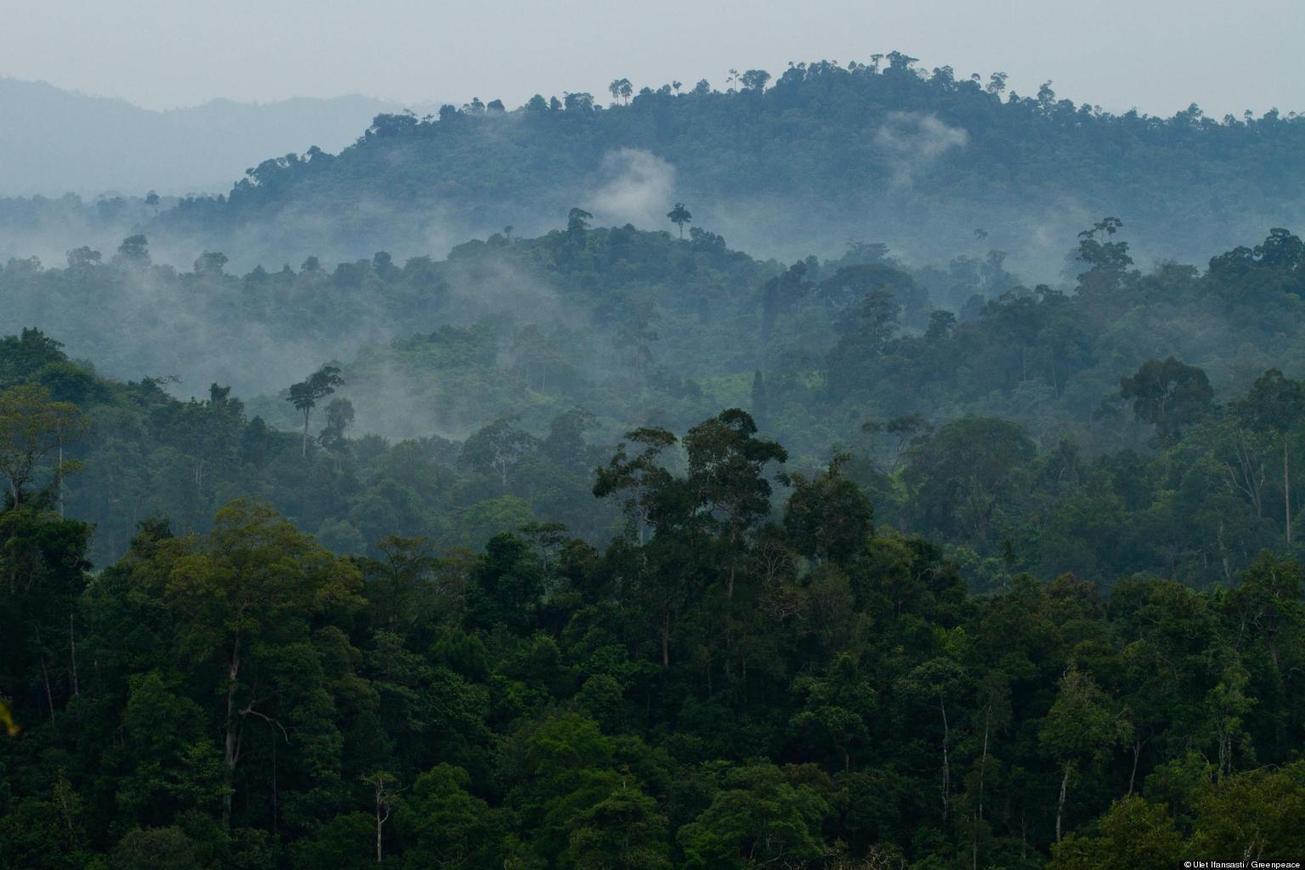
637,187
911,141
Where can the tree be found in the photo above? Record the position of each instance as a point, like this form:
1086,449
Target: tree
965,473
343,842
579,101
1134,833
903,431
339,416
383,796
1082,728
933,682
134,252
1107,260
836,707
307,393
1274,406
621,89
244,598
1169,395
1255,814
442,825
624,831
754,80
828,517
210,263
32,426
498,448
758,818
577,222
83,258
726,474
642,479
680,216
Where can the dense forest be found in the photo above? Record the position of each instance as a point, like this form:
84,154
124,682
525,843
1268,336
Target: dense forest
718,686
954,606
587,544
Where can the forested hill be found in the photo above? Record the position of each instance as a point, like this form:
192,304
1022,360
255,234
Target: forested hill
823,153
1109,431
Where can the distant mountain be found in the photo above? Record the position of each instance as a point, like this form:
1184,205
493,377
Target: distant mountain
54,141
928,163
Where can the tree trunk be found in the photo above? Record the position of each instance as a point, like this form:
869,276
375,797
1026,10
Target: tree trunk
1286,488
1060,805
276,805
382,812
305,447
72,654
983,768
45,677
1137,752
59,475
946,772
231,747
49,696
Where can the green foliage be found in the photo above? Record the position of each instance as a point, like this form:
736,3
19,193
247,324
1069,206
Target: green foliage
1134,833
1169,396
759,815
245,698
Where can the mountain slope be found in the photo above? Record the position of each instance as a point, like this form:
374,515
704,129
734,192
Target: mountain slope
57,141
924,163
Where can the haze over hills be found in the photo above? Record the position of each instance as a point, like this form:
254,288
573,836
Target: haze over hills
56,141
880,151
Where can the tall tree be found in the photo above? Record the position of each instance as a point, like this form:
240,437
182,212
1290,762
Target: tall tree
727,465
307,393
1169,395
1274,405
680,216
245,599
32,426
577,222
1082,728
621,89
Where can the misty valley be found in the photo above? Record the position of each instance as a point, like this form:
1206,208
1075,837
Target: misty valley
855,467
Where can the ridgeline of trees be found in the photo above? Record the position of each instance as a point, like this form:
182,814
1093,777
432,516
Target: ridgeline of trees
823,152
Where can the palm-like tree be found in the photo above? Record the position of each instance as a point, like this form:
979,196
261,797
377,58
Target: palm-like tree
680,216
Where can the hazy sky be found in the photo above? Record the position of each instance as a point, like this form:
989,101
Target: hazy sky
1157,55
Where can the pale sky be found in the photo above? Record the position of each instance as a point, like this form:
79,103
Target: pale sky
1156,55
